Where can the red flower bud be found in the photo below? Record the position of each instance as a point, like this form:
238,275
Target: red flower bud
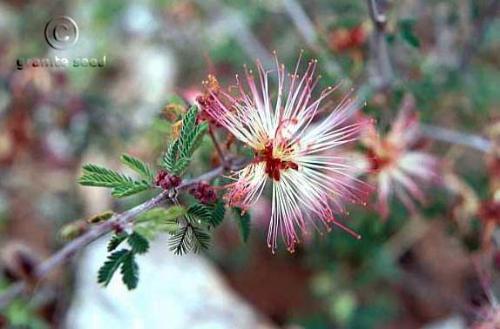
167,181
204,192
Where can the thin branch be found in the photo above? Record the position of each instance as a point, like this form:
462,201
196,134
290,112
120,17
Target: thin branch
478,32
447,135
306,28
379,46
217,146
97,231
225,16
302,22
377,16
12,292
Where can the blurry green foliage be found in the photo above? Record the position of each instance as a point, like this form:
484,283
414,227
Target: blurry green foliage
406,27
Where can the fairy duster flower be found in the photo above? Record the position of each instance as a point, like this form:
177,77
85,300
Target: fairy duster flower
292,149
396,162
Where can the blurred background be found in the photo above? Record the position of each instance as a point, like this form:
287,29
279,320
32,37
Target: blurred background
434,270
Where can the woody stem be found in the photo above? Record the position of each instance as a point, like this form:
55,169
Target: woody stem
217,146
67,252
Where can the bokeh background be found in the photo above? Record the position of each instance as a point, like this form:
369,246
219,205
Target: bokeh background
434,270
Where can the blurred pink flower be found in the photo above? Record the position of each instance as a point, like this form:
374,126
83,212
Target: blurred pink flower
190,94
396,164
490,318
307,185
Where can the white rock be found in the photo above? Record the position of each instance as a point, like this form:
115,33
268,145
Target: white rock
173,292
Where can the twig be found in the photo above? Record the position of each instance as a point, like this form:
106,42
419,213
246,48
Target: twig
225,17
447,135
302,22
217,146
306,28
126,217
379,45
377,17
478,32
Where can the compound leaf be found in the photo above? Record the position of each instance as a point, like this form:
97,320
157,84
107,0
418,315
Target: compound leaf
116,240
130,271
138,166
138,243
110,266
243,219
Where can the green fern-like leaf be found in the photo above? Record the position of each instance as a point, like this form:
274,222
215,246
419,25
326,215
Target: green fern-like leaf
110,266
129,189
116,240
99,176
139,167
161,214
181,166
121,185
170,158
197,138
202,213
159,220
189,238
243,219
219,210
138,243
187,131
191,138
130,271
201,239
178,155
179,241
211,215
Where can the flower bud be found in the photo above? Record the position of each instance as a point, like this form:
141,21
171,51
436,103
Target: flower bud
204,192
167,181
73,230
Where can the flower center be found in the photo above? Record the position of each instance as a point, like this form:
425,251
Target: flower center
383,156
274,165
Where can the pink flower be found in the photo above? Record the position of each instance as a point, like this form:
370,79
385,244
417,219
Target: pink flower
396,163
489,318
290,148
